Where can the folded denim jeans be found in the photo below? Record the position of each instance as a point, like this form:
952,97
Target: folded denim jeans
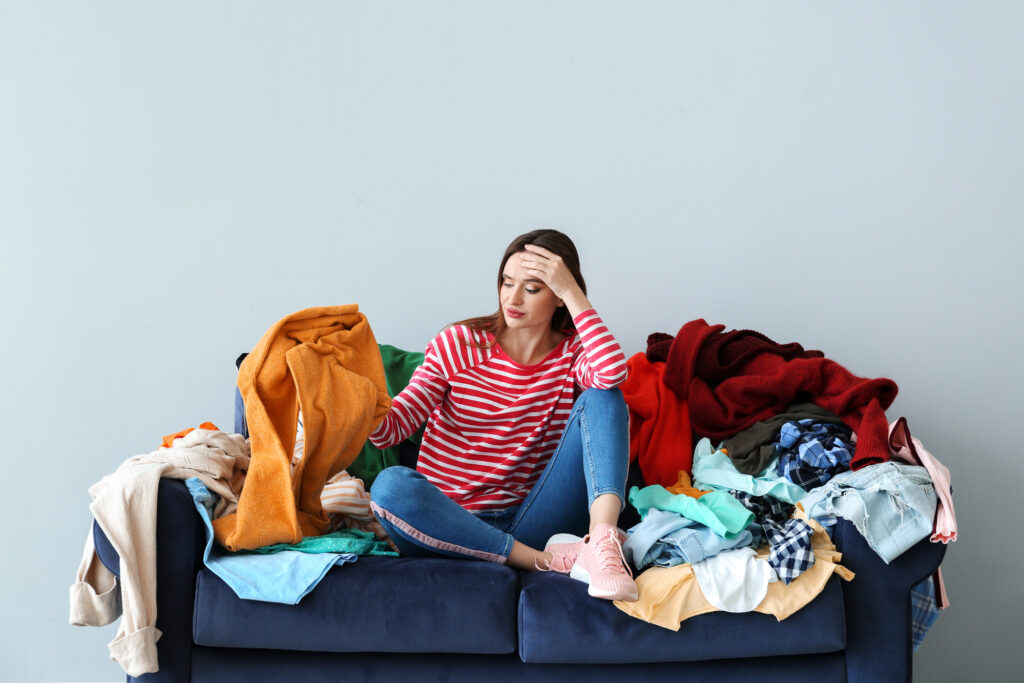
891,504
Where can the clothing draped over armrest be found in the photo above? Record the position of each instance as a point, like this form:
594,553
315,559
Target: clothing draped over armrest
124,505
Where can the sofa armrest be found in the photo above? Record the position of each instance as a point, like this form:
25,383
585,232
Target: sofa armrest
180,539
877,604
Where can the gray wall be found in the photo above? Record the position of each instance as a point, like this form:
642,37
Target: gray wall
176,177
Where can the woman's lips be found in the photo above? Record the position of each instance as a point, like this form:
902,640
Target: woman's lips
513,313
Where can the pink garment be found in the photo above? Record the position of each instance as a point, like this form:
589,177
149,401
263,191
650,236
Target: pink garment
905,447
941,599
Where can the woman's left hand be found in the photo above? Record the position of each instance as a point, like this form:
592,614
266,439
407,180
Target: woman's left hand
549,267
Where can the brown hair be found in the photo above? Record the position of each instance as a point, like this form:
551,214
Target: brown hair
552,240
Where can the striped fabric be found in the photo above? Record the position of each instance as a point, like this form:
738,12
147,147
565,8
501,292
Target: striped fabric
494,423
344,497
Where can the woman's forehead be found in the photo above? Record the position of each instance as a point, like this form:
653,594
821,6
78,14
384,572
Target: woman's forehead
514,269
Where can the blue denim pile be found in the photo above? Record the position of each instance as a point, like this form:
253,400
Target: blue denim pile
666,539
892,504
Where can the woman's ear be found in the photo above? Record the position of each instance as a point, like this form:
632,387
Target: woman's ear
560,303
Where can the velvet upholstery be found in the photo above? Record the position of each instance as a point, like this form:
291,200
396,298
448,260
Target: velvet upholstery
377,604
105,549
878,602
596,630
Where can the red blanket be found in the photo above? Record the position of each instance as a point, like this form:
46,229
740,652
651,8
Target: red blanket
766,382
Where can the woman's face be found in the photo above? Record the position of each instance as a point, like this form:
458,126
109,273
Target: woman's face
525,300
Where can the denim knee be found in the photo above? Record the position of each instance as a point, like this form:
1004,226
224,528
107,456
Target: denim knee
603,399
392,485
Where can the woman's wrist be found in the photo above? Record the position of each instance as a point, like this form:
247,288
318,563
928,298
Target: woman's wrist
576,301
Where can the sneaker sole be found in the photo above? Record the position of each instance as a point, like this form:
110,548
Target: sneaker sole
580,574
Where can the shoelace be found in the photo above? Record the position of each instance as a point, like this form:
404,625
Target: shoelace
546,567
610,553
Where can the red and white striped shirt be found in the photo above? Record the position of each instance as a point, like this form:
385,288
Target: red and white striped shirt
494,423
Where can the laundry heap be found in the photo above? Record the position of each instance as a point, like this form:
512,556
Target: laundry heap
280,508
751,450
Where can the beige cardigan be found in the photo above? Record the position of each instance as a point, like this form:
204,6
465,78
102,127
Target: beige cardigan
124,505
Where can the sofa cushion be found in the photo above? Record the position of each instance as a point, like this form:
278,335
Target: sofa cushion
560,623
378,604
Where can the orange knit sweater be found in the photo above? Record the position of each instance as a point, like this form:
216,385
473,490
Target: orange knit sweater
325,361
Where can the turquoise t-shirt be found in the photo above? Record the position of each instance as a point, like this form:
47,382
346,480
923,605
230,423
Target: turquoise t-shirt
341,541
718,510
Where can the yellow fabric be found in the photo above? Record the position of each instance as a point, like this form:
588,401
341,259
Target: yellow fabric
671,595
325,361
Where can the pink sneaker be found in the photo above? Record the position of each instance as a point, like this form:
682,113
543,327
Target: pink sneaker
564,549
601,564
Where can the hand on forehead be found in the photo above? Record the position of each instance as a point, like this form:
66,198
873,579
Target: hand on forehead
517,263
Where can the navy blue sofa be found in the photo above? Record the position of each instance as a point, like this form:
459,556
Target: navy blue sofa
383,619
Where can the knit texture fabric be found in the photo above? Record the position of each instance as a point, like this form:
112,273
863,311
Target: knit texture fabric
659,423
325,361
766,382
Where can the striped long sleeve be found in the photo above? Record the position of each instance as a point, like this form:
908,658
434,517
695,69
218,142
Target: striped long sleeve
493,423
602,365
426,389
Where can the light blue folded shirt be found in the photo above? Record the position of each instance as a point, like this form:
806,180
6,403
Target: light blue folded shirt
667,539
713,470
286,576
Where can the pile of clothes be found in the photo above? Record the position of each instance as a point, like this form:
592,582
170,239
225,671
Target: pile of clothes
300,510
787,442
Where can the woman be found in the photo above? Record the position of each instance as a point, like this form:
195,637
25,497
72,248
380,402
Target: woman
510,456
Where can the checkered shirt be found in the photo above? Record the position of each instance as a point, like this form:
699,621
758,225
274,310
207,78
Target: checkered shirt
791,553
764,507
924,610
811,453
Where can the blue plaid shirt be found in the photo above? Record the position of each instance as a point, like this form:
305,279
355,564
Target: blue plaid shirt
811,453
791,553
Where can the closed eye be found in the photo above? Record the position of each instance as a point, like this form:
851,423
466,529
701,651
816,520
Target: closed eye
528,290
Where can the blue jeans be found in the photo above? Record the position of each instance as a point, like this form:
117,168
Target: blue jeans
591,459
892,504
